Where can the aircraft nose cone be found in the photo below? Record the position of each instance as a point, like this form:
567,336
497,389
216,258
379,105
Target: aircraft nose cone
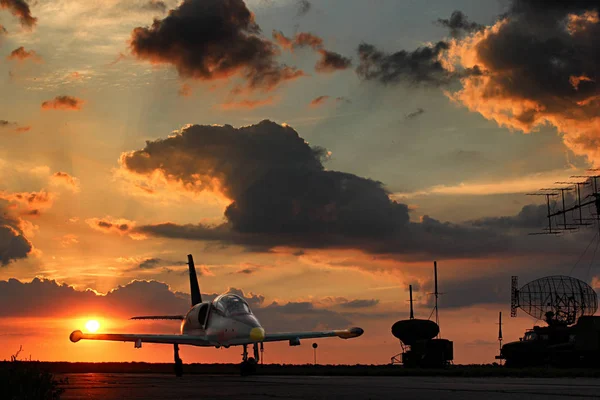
257,334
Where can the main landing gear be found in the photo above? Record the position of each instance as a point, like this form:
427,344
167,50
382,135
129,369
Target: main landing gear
248,365
178,362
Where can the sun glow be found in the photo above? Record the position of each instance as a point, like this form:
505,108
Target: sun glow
92,325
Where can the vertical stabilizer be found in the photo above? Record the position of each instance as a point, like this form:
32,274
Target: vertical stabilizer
194,288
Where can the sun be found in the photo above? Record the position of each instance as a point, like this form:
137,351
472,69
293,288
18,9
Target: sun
92,325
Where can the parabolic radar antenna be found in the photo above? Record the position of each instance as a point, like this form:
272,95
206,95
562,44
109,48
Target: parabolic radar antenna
558,299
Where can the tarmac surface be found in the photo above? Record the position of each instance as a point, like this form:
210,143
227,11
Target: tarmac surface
155,386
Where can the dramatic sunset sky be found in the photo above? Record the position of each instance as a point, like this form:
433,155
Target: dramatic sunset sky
315,156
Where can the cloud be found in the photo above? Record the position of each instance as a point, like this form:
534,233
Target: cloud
150,263
246,104
185,90
343,99
150,298
20,9
531,216
4,124
319,101
306,39
520,184
67,103
69,240
304,7
359,303
331,61
459,24
281,195
539,66
22,129
414,114
20,54
64,179
29,201
210,40
155,5
421,66
13,243
112,225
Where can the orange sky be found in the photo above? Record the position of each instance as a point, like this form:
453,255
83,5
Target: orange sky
317,168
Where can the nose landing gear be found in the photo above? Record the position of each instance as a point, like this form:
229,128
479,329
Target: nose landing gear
248,365
178,362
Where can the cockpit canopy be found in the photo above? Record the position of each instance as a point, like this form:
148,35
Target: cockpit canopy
231,305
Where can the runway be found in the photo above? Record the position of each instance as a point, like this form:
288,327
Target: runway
154,386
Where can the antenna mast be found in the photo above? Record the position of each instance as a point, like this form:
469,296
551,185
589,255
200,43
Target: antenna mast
436,293
412,314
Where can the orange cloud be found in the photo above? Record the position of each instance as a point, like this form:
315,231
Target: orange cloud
302,39
283,41
246,104
67,103
120,226
14,125
185,90
20,9
319,101
30,201
330,61
62,178
69,240
20,54
524,85
22,129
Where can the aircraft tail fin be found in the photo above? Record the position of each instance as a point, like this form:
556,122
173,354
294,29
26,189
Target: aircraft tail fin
194,287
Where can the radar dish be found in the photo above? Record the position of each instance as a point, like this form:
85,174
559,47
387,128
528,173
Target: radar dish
556,299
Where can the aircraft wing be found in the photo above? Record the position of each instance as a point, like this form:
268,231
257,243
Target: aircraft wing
76,336
342,333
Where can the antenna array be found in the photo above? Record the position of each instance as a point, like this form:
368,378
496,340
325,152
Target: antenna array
568,205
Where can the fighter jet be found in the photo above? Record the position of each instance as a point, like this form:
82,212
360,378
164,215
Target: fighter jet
226,321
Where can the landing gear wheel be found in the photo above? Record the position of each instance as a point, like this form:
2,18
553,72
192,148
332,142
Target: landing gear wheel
248,367
179,369
178,362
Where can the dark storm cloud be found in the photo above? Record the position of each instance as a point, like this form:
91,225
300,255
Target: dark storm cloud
358,303
415,113
300,316
19,9
422,65
212,39
283,196
331,61
304,7
531,216
13,244
459,24
151,263
540,66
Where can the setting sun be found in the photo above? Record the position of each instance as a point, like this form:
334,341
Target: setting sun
92,325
